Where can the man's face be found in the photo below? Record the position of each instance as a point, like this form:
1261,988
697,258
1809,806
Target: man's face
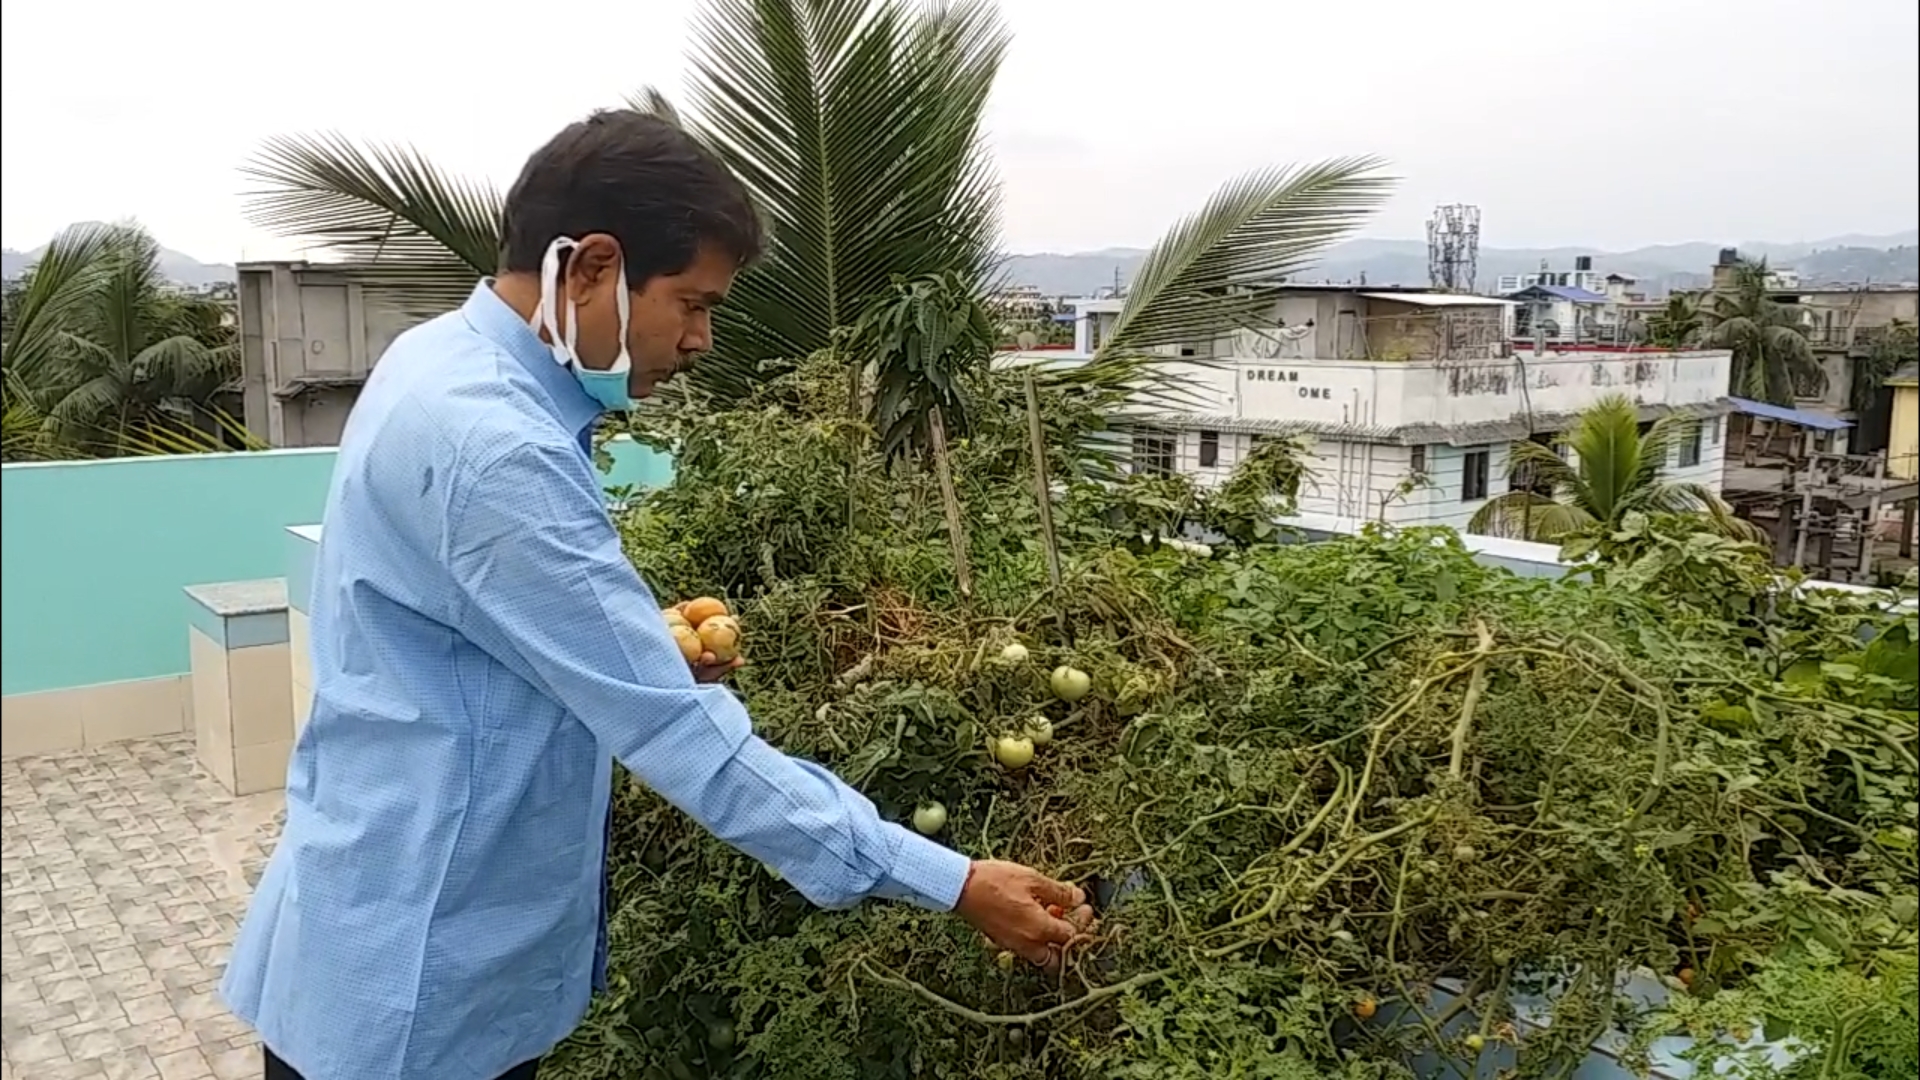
670,320
673,319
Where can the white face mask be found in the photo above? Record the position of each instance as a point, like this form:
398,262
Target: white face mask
608,387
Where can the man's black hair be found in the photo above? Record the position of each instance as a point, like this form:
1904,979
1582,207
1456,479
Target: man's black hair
640,179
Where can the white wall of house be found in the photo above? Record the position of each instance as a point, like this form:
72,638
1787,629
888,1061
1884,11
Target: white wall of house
1388,394
1355,476
1361,480
1445,498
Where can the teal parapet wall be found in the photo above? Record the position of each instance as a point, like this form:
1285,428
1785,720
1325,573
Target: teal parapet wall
94,554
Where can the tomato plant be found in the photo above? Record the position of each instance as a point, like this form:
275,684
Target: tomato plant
1306,782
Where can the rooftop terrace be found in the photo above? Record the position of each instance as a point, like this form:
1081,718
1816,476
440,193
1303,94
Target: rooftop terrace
126,871
128,862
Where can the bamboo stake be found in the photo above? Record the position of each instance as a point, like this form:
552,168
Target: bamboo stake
1042,486
956,528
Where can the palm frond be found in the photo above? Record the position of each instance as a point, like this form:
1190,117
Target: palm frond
22,430
1198,282
183,367
1202,280
1688,498
1541,466
63,287
1524,515
1606,439
856,126
423,235
78,417
167,436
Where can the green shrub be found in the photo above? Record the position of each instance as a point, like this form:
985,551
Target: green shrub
1311,780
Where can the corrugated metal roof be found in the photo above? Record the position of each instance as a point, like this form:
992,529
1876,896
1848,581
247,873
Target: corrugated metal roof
1440,299
1799,417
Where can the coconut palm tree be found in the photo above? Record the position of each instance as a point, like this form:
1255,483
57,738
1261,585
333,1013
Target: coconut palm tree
1890,346
104,352
857,126
1615,470
855,123
1771,356
1677,325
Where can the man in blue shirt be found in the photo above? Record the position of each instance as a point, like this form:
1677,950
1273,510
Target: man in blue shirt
481,651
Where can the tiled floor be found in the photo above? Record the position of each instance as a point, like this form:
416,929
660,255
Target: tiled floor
126,871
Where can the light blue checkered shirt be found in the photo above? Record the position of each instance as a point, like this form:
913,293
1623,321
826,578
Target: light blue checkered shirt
481,652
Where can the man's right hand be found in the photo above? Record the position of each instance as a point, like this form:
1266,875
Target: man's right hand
1009,904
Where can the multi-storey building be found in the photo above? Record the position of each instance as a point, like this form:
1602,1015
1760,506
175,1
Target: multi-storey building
1407,400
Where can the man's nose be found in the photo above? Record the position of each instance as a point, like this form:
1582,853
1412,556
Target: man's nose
698,337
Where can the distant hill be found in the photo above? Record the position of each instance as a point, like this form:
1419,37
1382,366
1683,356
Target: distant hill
1891,258
1895,257
177,266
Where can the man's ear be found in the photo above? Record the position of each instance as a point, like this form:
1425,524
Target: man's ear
592,263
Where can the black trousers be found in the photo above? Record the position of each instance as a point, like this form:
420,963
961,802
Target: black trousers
280,1070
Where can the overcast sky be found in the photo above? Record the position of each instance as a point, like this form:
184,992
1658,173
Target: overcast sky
1613,124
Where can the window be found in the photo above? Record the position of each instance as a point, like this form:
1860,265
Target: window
1690,447
1713,429
1153,453
1209,449
1473,475
1417,460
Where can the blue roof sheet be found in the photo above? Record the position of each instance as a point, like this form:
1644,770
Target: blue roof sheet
1790,416
1560,292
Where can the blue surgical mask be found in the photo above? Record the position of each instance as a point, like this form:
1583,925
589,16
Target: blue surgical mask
608,387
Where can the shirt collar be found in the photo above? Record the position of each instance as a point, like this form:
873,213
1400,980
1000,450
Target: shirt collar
493,319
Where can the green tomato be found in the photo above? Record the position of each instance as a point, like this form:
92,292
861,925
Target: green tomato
1476,1042
930,819
1013,751
720,1036
1070,684
1039,731
1015,653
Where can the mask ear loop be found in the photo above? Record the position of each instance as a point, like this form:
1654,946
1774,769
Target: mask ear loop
623,304
548,315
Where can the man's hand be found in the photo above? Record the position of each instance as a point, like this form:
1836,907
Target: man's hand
709,669
1023,911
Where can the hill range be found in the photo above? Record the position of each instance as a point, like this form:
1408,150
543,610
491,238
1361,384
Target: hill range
1890,258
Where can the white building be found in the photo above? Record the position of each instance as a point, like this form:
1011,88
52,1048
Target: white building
1580,306
1384,386
1582,276
1019,301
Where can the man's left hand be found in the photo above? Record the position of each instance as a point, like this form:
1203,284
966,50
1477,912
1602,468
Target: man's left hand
709,669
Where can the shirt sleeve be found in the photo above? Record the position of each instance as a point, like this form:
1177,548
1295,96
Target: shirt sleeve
535,556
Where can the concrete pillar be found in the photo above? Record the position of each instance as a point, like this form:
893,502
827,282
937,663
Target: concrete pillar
242,699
